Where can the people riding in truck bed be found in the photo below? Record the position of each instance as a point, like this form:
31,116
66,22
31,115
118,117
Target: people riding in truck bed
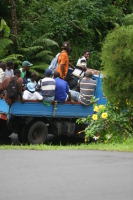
31,94
46,86
12,87
62,93
87,88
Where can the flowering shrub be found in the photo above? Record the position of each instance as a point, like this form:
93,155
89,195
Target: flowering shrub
109,123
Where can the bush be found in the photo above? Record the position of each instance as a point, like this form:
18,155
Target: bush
117,62
109,123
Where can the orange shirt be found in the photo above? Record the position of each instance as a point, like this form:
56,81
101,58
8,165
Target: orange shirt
63,59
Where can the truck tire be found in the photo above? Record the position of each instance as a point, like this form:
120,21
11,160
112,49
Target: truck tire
35,133
4,130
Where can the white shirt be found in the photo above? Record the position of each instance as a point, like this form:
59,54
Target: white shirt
82,62
2,75
31,96
9,73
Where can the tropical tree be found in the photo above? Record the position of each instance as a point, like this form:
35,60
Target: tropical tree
5,44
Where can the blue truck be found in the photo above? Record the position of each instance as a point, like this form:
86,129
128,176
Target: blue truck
33,120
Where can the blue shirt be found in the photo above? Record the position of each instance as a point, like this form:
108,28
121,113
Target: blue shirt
61,90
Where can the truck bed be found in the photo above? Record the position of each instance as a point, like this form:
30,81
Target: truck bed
61,110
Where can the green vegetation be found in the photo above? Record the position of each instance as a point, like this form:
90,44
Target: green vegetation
84,23
126,145
117,61
109,124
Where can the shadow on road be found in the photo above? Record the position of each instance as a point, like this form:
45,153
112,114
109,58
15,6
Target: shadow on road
52,140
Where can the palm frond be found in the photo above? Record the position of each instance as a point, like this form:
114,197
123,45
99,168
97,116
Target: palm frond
12,57
48,42
39,68
45,41
43,54
31,49
4,27
4,43
47,35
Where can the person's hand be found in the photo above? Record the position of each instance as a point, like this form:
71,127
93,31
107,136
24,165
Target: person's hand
84,68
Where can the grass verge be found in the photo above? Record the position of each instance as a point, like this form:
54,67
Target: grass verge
126,146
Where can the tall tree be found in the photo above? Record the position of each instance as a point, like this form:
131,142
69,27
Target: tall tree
14,19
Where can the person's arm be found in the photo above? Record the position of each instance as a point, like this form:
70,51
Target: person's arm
20,82
69,96
71,65
38,85
67,91
4,84
63,72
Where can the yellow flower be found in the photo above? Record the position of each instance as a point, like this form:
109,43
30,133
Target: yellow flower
96,109
85,139
101,106
104,115
116,108
127,102
94,117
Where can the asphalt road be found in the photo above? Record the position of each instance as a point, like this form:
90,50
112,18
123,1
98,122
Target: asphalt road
66,175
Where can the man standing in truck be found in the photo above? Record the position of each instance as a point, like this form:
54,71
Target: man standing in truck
63,60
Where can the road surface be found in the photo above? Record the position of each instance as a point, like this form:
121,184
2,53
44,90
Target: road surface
65,175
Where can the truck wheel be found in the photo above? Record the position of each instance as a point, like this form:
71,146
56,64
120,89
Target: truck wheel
4,130
36,133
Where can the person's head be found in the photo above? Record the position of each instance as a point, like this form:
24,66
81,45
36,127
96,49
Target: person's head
26,65
56,74
66,46
34,76
17,73
10,64
87,54
88,73
48,72
3,66
31,87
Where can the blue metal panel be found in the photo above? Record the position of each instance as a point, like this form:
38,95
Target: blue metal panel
4,107
38,109
98,91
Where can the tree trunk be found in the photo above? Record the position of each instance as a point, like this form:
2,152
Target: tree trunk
14,19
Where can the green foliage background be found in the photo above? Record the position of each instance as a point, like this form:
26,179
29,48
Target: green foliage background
84,23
